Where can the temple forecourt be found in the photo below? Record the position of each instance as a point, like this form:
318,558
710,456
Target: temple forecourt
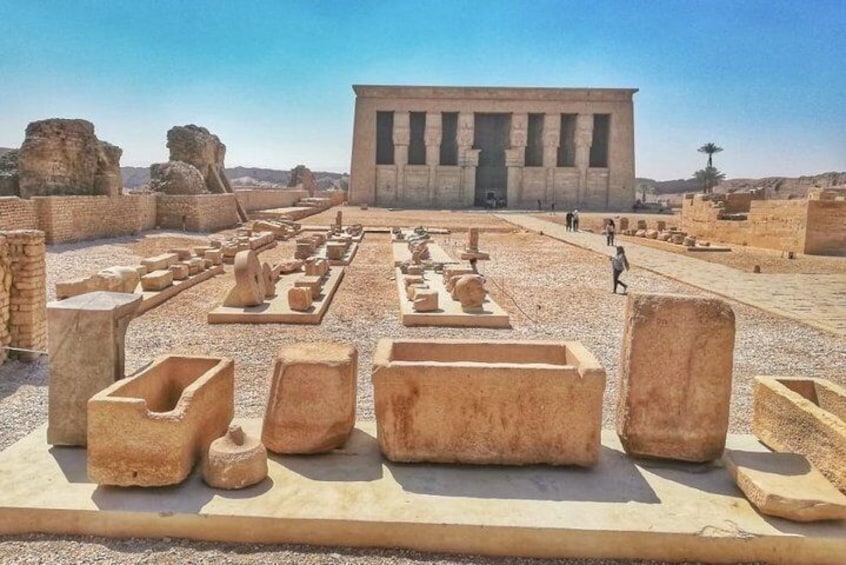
459,147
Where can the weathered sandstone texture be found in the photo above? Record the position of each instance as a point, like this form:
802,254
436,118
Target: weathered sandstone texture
249,284
311,406
495,402
176,177
86,339
23,294
805,416
235,461
150,429
675,377
61,157
785,485
302,176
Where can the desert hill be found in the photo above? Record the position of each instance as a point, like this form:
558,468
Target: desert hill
134,177
776,187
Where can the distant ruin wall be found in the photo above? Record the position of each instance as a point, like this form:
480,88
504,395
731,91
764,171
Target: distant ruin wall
23,293
336,197
196,212
826,231
256,199
80,218
16,214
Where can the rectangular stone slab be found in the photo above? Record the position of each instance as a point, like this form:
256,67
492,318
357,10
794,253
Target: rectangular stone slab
153,298
620,509
160,262
449,312
276,310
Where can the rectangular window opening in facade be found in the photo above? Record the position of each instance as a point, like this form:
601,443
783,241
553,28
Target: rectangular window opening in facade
534,141
384,138
567,142
449,143
417,143
599,146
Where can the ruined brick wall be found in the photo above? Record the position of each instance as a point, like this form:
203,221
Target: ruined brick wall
80,218
5,286
257,199
771,224
16,214
24,292
825,233
196,212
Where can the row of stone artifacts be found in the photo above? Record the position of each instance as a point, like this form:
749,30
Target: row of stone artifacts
442,401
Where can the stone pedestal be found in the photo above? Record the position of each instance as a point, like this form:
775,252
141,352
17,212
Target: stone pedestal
86,344
675,377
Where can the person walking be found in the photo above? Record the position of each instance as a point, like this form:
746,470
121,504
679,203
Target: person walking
575,220
568,220
619,263
610,228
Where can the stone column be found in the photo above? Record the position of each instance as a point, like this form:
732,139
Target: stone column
432,137
468,158
551,140
584,139
515,157
86,339
402,136
26,283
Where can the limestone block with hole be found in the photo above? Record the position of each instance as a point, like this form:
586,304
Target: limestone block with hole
182,253
160,262
311,406
86,345
214,255
310,282
180,271
157,280
470,291
675,376
151,428
299,299
425,300
785,485
249,283
236,460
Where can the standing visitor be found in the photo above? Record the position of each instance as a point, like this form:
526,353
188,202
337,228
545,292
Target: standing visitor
568,219
619,263
610,228
575,220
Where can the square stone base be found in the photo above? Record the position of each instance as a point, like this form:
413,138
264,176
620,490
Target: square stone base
621,509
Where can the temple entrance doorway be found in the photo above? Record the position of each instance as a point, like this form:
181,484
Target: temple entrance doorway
491,135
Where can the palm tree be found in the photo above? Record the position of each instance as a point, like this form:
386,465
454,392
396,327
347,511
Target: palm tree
709,177
710,148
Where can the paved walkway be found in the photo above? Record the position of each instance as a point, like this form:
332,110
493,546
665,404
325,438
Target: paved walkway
816,300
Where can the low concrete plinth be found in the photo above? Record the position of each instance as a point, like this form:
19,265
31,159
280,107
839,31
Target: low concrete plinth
620,509
154,298
403,255
488,402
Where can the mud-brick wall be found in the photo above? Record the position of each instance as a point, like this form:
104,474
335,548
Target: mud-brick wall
254,199
24,292
825,233
17,214
196,213
80,218
5,287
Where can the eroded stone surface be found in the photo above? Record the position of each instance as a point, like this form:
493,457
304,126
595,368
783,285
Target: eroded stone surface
675,376
299,298
236,460
311,406
249,282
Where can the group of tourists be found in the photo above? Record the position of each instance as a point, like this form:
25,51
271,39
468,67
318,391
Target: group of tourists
571,220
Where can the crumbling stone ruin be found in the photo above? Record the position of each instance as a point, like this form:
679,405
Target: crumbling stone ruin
23,294
196,165
301,176
61,157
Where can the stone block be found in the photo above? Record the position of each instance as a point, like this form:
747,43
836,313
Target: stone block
151,428
235,461
651,234
215,255
310,282
249,283
425,300
180,271
316,267
157,280
785,485
675,376
469,290
196,265
335,250
299,298
311,406
207,264
182,253
495,402
86,345
160,262
304,249
805,416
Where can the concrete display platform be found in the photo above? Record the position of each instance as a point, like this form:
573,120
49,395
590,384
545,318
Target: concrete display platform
276,310
449,311
621,509
154,298
402,254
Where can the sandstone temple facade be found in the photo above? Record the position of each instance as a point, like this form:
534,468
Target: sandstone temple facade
458,147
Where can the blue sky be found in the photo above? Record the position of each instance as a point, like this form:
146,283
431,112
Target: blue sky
764,79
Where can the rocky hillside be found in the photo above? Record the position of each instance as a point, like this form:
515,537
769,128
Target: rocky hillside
776,187
4,150
134,177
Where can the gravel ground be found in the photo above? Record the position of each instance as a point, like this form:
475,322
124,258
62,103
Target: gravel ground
552,291
385,217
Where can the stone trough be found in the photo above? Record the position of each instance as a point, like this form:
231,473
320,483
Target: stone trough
501,402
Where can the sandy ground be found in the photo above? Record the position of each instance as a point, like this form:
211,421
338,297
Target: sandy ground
552,291
384,217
